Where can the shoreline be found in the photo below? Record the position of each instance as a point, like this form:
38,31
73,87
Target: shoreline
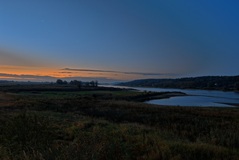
157,95
231,104
203,89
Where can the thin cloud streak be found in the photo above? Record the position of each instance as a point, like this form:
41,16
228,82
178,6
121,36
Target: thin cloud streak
26,77
39,78
120,72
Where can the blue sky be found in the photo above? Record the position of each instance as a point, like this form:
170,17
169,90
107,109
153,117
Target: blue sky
168,38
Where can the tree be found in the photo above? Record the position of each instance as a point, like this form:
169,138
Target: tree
87,84
237,86
79,84
74,82
92,84
59,81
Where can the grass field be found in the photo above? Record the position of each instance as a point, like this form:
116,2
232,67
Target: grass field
111,124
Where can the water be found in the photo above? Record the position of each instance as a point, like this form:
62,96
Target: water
199,98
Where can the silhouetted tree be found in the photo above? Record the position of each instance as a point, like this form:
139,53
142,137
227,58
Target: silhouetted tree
59,81
92,84
74,82
79,84
237,86
87,84
96,83
65,82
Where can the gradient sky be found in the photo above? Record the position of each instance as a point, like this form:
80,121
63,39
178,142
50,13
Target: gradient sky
118,39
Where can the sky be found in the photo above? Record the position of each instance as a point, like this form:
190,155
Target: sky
117,40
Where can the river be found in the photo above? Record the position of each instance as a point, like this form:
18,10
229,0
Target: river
199,98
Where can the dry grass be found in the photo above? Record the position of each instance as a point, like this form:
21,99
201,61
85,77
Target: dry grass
84,126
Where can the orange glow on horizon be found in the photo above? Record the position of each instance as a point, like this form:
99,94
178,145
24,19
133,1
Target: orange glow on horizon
25,73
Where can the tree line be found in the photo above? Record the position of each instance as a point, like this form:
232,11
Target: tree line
227,83
80,84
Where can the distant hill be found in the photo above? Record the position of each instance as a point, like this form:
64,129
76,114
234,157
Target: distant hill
6,82
227,83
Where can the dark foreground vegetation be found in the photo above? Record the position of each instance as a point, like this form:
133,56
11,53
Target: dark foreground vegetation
54,122
226,83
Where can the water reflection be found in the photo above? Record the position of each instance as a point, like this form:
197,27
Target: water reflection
200,98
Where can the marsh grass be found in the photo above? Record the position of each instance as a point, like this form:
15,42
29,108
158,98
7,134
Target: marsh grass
90,138
84,126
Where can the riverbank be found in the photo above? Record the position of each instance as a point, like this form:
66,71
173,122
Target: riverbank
232,104
158,95
197,98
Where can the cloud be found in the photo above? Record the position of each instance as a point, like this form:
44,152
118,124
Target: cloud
65,72
99,79
26,77
38,78
120,72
